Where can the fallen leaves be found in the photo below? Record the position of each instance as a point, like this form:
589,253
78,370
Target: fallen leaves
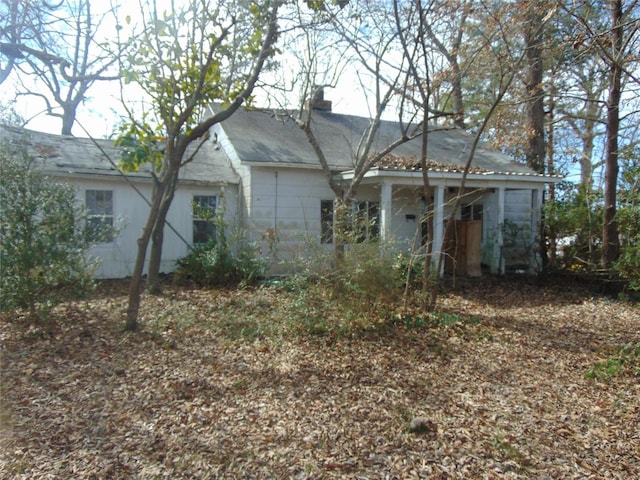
193,396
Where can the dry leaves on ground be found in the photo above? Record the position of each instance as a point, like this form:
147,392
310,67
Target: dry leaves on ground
502,396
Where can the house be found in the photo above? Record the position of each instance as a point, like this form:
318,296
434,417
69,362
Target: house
285,198
121,200
260,165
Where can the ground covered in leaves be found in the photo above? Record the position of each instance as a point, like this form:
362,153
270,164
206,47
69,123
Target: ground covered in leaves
509,380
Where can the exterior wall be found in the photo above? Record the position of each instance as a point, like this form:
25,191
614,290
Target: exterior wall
515,234
130,214
283,213
520,230
509,230
405,232
492,232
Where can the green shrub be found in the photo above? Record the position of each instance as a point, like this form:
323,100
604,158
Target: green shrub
410,269
42,251
360,290
628,265
628,216
212,264
576,214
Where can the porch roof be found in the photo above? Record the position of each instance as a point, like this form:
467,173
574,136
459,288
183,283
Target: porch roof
451,176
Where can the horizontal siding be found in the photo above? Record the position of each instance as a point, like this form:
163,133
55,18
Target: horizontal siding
130,215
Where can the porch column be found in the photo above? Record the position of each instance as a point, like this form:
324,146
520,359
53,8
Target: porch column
438,224
535,263
497,262
385,211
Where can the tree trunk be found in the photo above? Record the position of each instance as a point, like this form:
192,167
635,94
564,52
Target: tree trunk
458,104
157,235
610,240
536,145
429,280
535,92
545,231
340,228
588,139
135,285
68,119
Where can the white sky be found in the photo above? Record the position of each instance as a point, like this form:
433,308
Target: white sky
101,111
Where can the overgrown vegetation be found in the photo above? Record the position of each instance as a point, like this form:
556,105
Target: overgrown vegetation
574,219
228,383
215,263
365,285
43,249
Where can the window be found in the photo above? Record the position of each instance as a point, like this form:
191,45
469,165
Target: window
326,221
204,209
471,212
367,220
364,218
99,205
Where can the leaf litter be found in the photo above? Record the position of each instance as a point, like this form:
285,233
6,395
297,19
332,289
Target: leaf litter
217,384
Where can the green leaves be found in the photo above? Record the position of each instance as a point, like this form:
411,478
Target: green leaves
140,144
42,252
190,58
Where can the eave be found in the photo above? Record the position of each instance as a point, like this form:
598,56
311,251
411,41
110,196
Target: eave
449,175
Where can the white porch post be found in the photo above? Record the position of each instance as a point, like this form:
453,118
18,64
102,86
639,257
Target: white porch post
497,261
536,225
438,224
385,211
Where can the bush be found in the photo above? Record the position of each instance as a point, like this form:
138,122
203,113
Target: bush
42,252
212,264
628,216
625,360
348,295
575,218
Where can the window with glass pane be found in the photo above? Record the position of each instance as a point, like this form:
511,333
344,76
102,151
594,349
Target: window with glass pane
367,220
99,204
472,211
326,221
204,210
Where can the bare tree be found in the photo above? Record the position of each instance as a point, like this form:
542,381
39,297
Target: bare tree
412,23
370,53
68,54
446,30
534,13
20,20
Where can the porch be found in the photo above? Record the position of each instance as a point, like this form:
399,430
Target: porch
497,218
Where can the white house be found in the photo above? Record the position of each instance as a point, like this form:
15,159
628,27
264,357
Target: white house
285,195
122,199
262,167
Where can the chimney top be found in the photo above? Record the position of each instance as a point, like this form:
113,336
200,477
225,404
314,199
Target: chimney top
318,102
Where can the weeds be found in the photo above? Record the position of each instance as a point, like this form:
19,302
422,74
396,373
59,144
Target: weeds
625,360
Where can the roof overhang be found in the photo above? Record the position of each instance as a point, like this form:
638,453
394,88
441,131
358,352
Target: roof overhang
285,165
447,176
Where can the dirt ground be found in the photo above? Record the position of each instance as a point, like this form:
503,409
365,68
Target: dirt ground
517,381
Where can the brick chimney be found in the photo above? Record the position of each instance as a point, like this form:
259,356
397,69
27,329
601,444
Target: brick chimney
319,103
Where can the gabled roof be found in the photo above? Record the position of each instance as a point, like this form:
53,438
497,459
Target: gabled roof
63,155
270,137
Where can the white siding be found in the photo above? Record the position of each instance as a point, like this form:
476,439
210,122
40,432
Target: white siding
130,214
520,233
406,201
283,208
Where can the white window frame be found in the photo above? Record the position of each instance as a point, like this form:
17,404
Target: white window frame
204,224
99,213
